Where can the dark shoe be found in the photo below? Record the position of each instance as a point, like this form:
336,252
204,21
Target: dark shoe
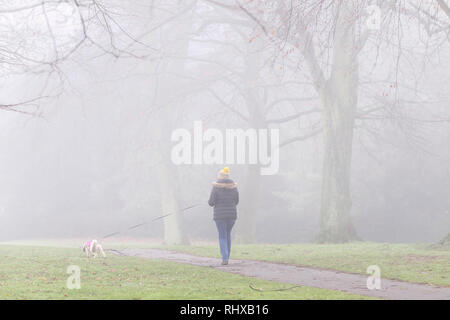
224,262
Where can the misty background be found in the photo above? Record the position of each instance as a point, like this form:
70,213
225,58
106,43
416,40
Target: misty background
92,90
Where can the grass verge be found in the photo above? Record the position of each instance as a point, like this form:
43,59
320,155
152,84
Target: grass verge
28,272
418,263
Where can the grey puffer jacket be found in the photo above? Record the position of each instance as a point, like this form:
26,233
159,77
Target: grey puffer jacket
224,198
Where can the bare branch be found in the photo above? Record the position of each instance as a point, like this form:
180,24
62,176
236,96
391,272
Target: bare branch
226,105
301,138
277,101
444,7
294,116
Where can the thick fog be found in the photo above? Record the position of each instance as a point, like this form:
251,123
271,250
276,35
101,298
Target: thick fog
93,91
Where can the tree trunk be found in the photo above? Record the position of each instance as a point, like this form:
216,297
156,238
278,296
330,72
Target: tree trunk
335,221
339,105
246,228
173,232
175,40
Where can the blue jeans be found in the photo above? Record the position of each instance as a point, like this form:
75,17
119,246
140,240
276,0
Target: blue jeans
224,228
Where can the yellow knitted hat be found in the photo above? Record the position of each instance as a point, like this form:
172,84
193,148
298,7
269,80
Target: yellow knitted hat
225,170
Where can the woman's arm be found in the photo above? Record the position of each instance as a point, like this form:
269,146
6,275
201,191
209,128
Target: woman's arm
212,198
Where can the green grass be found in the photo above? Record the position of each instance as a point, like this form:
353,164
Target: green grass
417,263
29,272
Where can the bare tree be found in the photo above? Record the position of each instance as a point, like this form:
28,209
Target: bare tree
330,35
37,37
238,65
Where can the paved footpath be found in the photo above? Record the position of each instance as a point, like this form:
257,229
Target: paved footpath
303,276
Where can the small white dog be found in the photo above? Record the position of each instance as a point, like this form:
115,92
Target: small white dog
93,247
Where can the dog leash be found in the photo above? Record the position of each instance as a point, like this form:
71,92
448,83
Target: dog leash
144,223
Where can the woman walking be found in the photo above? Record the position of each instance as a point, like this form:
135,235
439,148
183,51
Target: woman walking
224,198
